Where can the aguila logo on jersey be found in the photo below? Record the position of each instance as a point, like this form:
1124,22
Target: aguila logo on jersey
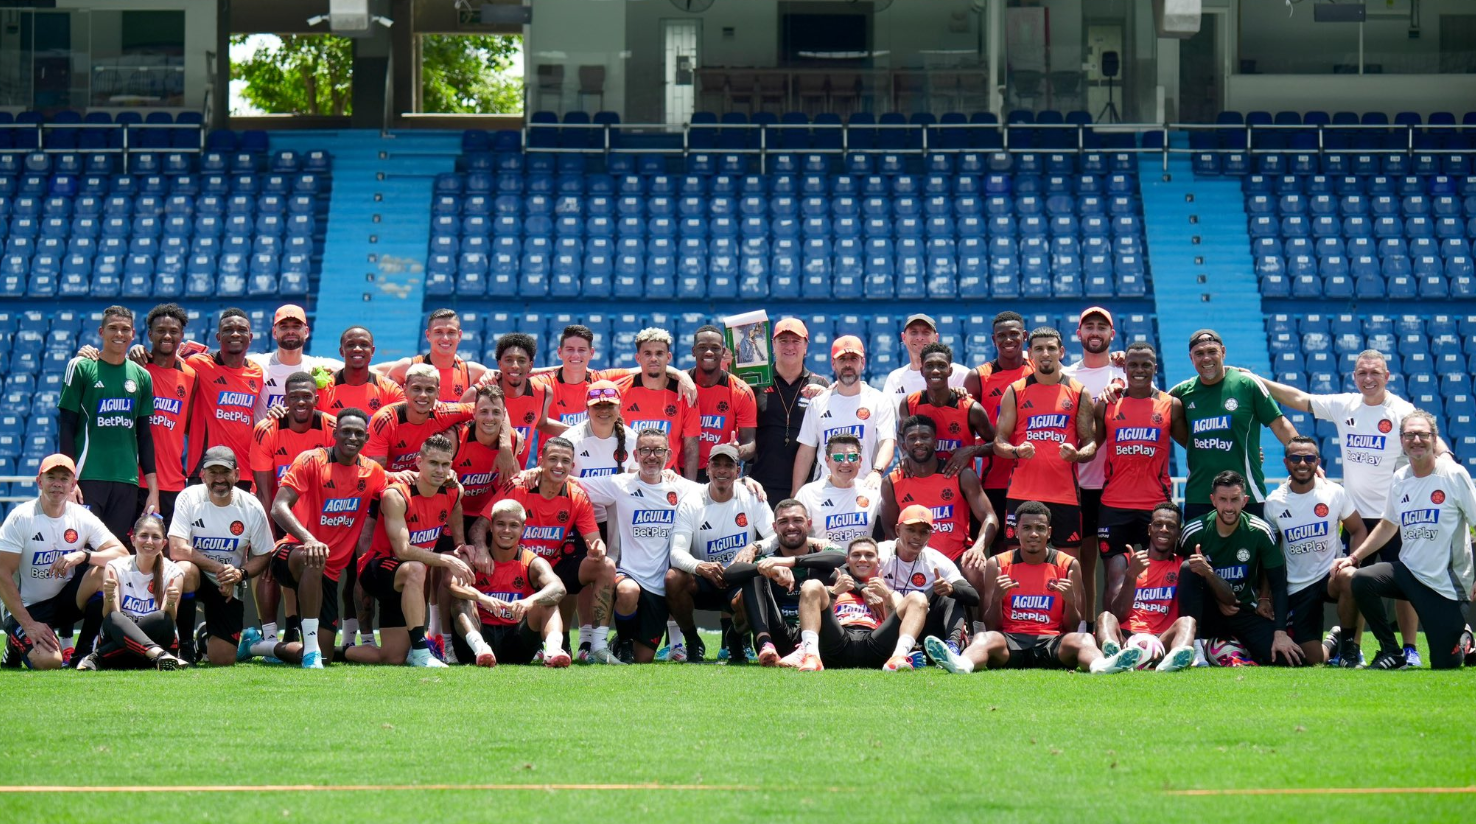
337,505
1386,426
168,405
213,544
553,534
1212,424
854,431
1419,516
1375,442
1042,422
1136,434
1317,529
237,527
718,422
671,498
844,519
720,546
1320,510
114,405
425,537
70,536
134,605
1033,602
1437,497
652,516
919,579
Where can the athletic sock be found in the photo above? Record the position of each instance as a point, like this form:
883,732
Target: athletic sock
905,643
552,646
184,625
628,627
811,642
674,633
476,642
586,634
310,635
265,649
366,637
269,630
92,618
68,646
433,625
350,630
599,638
417,638
294,628
965,664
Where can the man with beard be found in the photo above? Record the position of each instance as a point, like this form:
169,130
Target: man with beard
174,395
771,574
918,332
356,386
229,387
454,375
526,401
920,479
860,621
1150,605
852,407
725,404
220,539
290,330
397,431
964,432
781,410
1046,424
988,383
653,400
842,512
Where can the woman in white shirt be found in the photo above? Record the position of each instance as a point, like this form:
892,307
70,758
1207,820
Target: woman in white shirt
140,595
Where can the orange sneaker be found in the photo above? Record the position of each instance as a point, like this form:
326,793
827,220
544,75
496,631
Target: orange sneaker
810,663
897,662
558,660
794,659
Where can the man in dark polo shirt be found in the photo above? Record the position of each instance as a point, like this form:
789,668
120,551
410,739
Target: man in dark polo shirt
781,410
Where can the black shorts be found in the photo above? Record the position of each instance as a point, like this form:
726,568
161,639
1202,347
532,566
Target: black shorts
60,612
1065,524
1034,651
1120,529
166,504
1389,553
650,616
378,579
997,501
511,643
115,504
282,573
1254,632
1304,620
856,647
1091,520
1192,511
566,566
711,597
224,617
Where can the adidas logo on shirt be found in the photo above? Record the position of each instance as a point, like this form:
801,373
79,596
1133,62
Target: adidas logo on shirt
221,381
199,524
1286,513
635,407
906,499
827,503
636,494
37,537
1028,404
329,485
584,454
98,385
706,525
1404,500
825,414
1191,404
1121,417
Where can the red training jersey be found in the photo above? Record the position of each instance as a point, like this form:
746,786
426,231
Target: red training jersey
274,444
723,408
1045,415
662,409
523,412
174,390
455,379
1138,448
553,522
395,439
370,396
851,610
333,501
425,517
993,380
944,497
476,470
225,406
954,432
510,581
1155,605
1032,608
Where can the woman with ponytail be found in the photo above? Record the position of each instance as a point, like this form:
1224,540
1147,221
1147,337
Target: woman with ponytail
140,595
603,443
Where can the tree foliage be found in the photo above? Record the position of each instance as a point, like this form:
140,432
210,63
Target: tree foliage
313,74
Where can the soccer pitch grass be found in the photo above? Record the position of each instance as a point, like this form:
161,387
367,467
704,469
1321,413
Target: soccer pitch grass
742,743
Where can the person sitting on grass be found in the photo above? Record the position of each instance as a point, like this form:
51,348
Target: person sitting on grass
1150,605
861,623
138,622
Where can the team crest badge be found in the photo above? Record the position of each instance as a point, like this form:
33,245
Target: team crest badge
1157,419
1320,510
130,385
237,527
671,411
742,519
671,498
1437,497
919,579
1386,426
863,501
70,536
863,414
1242,555
1231,405
563,517
722,406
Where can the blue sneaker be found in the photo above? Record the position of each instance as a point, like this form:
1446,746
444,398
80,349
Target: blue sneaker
664,653
722,655
249,636
437,646
1411,658
919,659
312,660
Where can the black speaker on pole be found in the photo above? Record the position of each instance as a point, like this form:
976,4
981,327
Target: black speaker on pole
1111,67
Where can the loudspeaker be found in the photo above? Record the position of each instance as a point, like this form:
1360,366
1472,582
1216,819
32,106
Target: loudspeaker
1339,13
1177,18
1110,64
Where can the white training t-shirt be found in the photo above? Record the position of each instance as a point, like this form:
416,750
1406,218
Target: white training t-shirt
708,531
1434,515
645,517
918,574
594,457
275,374
869,415
1369,437
136,594
40,539
225,534
839,515
904,380
1307,525
1093,473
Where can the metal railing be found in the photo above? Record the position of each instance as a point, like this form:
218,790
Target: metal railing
130,137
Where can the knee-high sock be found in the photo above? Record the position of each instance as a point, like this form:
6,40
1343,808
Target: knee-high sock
184,622
92,619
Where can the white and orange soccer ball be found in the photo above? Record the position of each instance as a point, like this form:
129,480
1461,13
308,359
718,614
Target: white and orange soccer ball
1227,652
1150,645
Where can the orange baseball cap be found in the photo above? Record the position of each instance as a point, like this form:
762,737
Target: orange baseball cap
603,392
845,344
290,312
794,326
916,514
51,462
1096,310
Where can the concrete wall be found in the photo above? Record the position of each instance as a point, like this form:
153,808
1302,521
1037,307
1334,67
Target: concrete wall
577,33
1341,92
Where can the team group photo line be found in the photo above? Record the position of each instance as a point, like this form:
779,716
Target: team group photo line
1013,514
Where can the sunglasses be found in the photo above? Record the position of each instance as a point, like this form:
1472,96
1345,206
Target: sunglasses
604,394
853,457
1306,459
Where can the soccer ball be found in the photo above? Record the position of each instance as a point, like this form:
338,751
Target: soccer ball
1221,651
1150,645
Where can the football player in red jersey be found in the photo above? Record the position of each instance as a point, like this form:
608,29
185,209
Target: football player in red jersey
1151,604
857,615
227,389
443,333
920,480
356,386
397,431
174,395
513,603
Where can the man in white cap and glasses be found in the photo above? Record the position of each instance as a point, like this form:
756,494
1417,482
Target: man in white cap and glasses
850,406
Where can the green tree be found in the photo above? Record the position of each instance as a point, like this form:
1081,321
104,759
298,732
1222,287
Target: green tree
299,74
470,74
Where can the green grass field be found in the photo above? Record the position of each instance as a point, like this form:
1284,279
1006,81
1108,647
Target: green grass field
855,745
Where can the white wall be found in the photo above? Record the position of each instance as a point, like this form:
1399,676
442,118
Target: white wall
575,33
1344,92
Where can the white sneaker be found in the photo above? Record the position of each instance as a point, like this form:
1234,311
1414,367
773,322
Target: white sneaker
944,657
677,654
1124,660
1176,659
604,655
423,658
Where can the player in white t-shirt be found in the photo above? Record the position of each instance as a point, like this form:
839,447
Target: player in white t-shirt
849,406
840,511
712,526
918,332
47,572
603,444
908,564
290,330
1306,511
140,595
1368,434
220,538
1432,506
643,508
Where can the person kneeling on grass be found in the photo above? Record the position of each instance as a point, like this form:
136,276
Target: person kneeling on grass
859,621
138,629
1032,599
1150,604
501,616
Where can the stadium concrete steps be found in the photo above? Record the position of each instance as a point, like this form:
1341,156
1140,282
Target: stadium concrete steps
378,232
1199,250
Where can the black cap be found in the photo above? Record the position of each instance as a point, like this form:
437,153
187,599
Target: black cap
1204,336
